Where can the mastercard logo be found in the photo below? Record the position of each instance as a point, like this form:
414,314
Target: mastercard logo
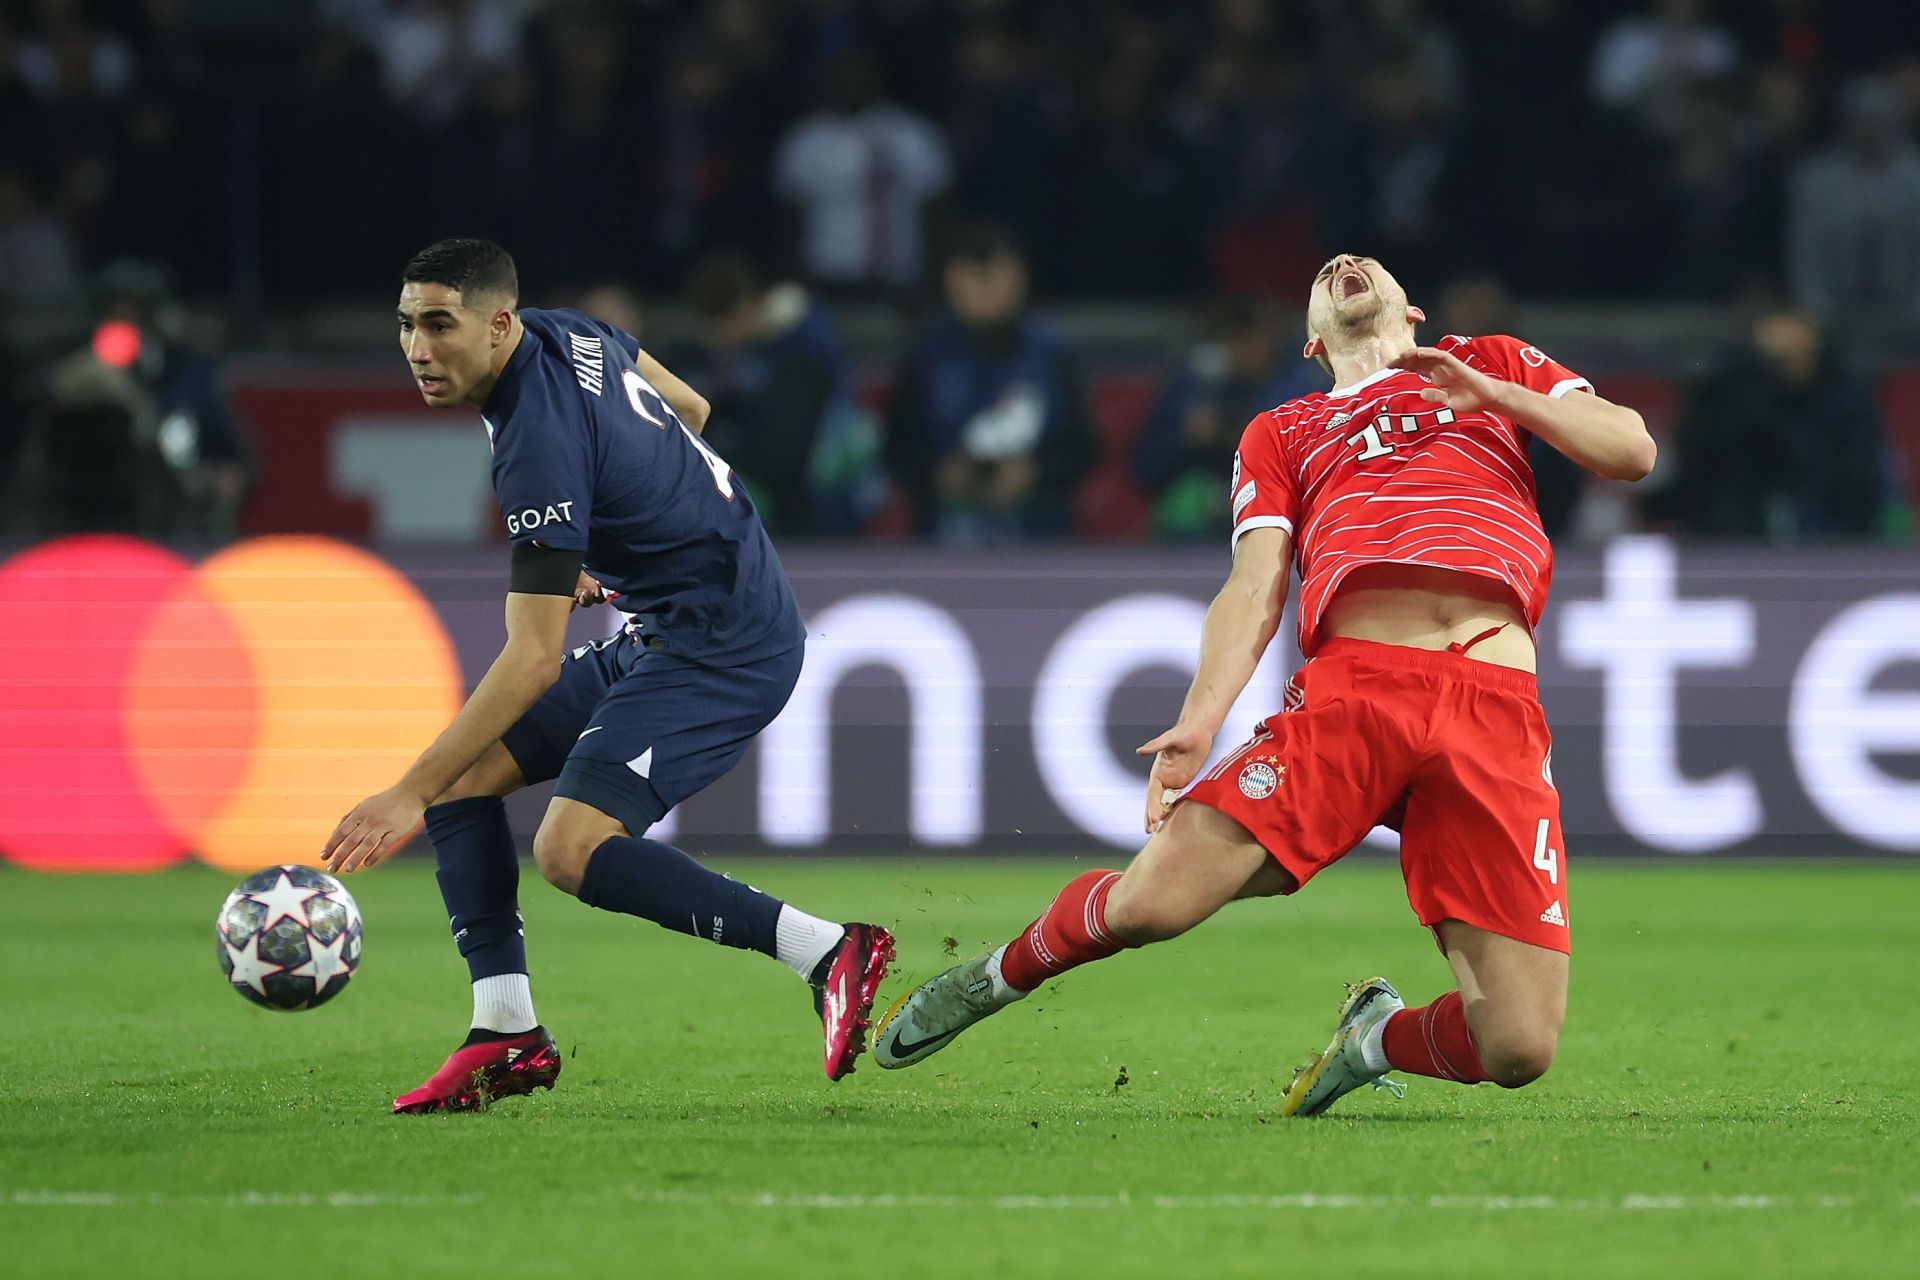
153,709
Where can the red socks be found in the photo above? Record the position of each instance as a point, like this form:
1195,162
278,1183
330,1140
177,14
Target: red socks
1072,932
1434,1041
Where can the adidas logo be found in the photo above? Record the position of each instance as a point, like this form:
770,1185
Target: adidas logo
1292,696
513,1055
1554,915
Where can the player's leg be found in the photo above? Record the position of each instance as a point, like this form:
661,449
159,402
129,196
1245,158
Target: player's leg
1287,803
1198,862
1502,1024
1485,868
590,853
664,730
667,730
479,873
1507,1013
478,869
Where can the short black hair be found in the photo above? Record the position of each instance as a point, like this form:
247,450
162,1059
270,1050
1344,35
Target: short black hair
471,266
980,242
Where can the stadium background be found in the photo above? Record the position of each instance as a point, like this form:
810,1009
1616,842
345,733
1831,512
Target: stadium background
243,577
982,293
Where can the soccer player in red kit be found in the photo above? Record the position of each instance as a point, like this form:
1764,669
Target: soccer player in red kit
1406,497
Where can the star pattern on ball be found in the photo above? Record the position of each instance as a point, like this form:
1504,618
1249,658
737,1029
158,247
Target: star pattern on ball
285,900
325,961
249,970
345,903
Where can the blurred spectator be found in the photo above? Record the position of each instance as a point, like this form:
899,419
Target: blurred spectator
616,305
136,435
988,431
434,53
38,261
24,138
574,195
1184,454
1722,222
1404,181
1405,33
1781,442
785,415
862,171
1005,129
70,58
1138,149
1650,64
80,73
1853,237
709,163
1125,209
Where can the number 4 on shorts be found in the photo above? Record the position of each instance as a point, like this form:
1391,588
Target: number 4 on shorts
1548,860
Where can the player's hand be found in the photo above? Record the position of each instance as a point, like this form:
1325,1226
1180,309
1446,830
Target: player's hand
377,826
1177,755
588,592
1454,384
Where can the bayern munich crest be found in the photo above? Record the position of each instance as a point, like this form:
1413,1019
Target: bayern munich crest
1259,780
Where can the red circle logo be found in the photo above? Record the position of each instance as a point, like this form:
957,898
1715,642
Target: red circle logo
231,709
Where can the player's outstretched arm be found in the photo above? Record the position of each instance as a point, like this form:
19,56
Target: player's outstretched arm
1241,622
690,405
1607,439
525,669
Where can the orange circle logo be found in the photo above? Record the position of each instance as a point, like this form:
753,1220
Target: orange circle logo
235,709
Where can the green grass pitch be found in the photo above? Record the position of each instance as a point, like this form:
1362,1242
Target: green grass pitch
1733,1095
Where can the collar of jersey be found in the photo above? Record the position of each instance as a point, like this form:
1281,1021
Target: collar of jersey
505,393
1341,392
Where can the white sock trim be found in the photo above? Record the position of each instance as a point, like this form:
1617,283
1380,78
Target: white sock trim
504,1002
1003,992
801,941
1373,1047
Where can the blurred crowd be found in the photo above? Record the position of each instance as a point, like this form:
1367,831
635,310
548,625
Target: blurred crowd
1661,149
761,161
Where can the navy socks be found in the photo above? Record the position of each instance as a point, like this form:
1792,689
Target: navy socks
658,882
480,883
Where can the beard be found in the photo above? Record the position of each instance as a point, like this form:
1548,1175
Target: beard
1360,318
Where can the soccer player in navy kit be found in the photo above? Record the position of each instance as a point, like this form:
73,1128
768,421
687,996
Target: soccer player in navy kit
607,490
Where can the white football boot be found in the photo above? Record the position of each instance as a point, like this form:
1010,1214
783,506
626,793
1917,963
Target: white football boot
926,1019
1339,1069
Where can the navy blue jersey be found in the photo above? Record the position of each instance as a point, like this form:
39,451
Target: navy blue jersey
589,458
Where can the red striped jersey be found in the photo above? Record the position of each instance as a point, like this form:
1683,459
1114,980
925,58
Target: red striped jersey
1372,473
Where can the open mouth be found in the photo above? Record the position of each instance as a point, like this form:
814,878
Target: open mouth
431,385
1350,283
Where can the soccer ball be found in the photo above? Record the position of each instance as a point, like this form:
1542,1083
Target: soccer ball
289,937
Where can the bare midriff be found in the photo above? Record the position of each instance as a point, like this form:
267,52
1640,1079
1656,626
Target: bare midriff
1427,608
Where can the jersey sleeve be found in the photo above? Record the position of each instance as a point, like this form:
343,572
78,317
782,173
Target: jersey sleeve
1517,361
1263,493
545,485
628,343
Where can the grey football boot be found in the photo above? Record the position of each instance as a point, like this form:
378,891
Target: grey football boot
1339,1069
926,1019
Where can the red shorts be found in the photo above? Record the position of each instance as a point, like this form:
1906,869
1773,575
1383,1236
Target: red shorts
1452,751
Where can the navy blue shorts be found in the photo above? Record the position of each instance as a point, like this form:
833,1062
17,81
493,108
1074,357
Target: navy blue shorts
634,731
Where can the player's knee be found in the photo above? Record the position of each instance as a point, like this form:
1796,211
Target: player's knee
562,856
1138,919
1517,1056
